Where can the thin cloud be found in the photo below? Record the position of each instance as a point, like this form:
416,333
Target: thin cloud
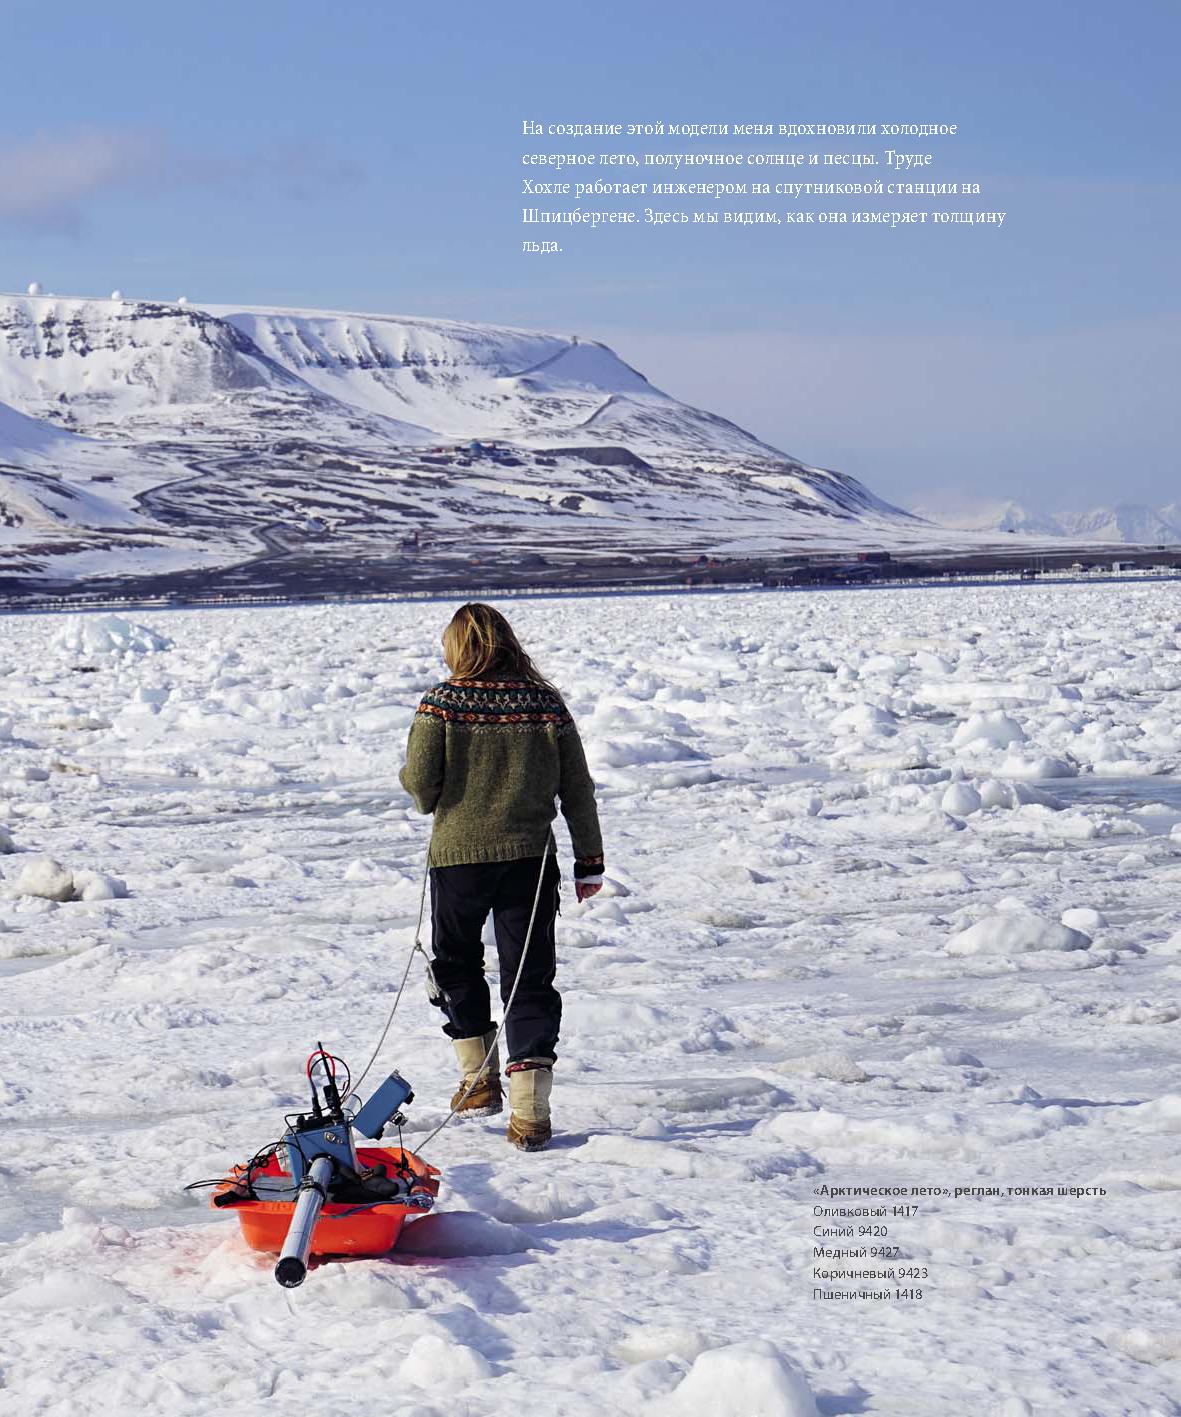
48,180
304,172
51,180
301,172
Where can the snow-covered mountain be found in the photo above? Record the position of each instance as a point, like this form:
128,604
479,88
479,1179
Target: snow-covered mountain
1126,522
465,381
141,435
53,480
129,368
990,517
28,440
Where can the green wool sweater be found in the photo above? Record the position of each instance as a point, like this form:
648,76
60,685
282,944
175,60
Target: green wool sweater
489,757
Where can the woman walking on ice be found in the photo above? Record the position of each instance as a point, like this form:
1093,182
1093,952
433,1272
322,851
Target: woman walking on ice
492,750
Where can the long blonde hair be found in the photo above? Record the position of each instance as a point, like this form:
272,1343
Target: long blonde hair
479,643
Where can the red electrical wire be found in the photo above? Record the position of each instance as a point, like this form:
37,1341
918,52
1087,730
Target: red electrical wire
330,1062
321,1056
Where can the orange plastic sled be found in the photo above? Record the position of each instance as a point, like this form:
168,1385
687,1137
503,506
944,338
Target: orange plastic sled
341,1229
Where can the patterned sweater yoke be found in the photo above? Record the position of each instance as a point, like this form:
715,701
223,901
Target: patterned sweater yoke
493,760
496,703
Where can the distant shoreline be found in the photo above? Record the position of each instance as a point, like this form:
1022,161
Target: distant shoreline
823,574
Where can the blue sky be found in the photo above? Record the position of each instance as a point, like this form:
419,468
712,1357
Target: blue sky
366,156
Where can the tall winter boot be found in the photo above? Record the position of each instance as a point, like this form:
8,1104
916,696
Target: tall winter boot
486,1097
529,1085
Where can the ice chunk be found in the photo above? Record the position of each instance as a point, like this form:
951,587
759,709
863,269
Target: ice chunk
864,719
686,777
367,870
448,1234
1145,1011
996,728
961,799
1084,919
93,885
1015,932
723,918
662,1341
633,749
994,793
43,877
749,1379
446,1367
835,1066
944,1057
1019,767
28,772
92,635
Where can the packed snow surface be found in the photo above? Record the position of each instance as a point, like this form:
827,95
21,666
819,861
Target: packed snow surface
852,935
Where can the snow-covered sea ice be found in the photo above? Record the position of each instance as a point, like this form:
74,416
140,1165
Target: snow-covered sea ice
892,903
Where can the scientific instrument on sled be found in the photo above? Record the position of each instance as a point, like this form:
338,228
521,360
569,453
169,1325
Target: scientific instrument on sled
315,1191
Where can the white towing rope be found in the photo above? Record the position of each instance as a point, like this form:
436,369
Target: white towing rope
417,948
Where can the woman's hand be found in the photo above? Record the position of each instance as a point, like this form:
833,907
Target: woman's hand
584,892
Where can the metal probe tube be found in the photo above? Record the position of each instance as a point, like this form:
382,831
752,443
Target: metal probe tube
293,1260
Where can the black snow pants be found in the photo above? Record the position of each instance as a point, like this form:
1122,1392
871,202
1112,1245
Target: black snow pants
461,897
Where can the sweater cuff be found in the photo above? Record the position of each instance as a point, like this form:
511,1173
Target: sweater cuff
589,870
